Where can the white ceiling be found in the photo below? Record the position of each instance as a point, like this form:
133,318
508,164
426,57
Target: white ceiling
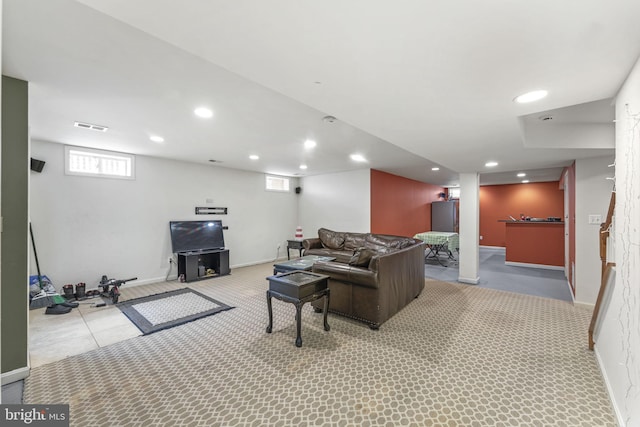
414,84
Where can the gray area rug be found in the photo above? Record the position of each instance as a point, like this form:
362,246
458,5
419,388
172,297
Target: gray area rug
162,311
457,355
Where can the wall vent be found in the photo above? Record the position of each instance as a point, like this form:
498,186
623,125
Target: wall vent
90,126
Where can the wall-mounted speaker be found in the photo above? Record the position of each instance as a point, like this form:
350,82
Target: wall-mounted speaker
37,165
298,190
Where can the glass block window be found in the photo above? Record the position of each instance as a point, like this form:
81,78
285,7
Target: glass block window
99,163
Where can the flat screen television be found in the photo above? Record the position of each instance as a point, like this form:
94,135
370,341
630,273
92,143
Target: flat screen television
192,236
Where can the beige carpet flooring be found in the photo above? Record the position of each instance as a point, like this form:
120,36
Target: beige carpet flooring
456,356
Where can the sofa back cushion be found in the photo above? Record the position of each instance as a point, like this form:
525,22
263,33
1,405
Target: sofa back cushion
331,239
362,257
385,243
353,241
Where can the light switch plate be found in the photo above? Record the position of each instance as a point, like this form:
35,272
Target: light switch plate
595,219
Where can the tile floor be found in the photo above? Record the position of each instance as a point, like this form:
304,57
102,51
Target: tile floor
86,328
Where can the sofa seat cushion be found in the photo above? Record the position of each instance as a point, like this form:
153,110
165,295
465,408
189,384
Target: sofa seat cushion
347,273
340,256
331,239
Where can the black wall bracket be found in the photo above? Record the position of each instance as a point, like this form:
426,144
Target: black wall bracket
205,210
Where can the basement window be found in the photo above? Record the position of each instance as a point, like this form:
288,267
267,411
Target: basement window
98,163
277,183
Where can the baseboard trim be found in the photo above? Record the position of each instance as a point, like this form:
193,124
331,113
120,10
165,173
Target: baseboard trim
15,375
584,304
607,383
469,280
494,248
173,278
249,264
135,283
526,264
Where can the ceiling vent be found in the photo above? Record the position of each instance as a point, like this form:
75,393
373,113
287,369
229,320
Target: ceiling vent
90,126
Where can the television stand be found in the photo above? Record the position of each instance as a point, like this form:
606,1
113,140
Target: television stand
199,265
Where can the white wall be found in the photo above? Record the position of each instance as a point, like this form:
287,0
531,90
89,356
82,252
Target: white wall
86,227
593,192
339,201
618,340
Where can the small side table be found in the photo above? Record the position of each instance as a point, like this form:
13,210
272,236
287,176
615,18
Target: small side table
294,244
298,288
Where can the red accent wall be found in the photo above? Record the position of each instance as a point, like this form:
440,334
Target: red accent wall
497,202
400,206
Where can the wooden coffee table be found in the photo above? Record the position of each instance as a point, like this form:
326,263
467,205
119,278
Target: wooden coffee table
298,288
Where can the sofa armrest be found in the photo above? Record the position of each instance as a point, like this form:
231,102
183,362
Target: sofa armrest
312,243
347,273
398,270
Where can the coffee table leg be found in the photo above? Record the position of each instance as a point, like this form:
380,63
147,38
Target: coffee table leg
270,326
326,310
299,323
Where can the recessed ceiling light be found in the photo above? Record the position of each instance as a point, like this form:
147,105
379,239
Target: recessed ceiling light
435,168
525,181
254,157
203,112
156,138
358,158
309,143
521,174
303,166
491,164
329,119
531,96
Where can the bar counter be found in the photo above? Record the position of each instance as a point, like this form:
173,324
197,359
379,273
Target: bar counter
534,243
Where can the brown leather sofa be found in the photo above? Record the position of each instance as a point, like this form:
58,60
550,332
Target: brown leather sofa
373,276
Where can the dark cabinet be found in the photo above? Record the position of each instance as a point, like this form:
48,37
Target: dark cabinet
203,264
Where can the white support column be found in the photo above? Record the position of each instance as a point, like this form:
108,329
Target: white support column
469,258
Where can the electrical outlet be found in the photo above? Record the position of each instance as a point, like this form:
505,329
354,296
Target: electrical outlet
170,260
480,237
